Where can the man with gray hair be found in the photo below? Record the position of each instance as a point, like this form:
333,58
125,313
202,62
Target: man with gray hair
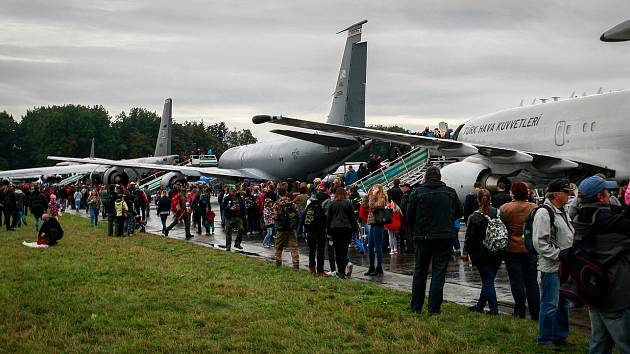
433,207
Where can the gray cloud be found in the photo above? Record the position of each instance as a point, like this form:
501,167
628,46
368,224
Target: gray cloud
228,60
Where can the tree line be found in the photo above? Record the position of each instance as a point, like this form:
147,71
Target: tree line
68,131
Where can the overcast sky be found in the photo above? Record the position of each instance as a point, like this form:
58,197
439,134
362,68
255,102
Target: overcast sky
228,60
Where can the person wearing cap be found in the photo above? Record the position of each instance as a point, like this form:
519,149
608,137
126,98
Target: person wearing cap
609,244
549,240
433,207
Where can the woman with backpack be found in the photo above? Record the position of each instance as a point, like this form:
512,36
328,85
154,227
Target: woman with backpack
341,224
487,262
376,203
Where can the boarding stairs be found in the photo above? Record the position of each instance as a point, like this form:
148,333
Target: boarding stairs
408,168
71,179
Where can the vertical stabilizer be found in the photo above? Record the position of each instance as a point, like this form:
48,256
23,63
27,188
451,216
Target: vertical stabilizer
92,149
163,144
348,107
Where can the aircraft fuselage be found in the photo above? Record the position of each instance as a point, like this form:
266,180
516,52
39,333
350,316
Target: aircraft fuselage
287,158
591,129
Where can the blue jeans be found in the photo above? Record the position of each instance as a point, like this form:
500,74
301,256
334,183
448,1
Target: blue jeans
268,235
300,230
553,322
521,268
488,272
38,221
93,216
436,253
252,224
375,241
608,329
77,204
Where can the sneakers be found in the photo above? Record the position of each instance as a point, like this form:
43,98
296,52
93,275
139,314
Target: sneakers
349,268
369,272
238,246
391,252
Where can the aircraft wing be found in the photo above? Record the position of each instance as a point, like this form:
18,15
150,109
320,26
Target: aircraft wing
446,146
322,139
50,170
186,170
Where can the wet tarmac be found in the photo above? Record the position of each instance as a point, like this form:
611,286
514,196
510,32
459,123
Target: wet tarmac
463,283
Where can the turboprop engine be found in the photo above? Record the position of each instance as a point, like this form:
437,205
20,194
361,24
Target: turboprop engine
170,178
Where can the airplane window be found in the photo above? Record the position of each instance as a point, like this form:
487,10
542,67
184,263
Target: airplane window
593,126
584,127
568,131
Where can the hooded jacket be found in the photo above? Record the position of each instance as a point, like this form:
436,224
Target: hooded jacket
432,210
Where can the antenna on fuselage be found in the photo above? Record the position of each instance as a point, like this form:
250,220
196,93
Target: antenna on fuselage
534,101
521,105
573,94
555,98
543,100
599,92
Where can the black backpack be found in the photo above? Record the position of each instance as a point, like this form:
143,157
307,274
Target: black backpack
289,220
583,280
528,228
314,214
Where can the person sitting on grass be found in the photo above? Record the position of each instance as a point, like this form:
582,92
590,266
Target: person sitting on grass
49,233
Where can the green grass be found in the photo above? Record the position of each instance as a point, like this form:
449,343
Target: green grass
93,293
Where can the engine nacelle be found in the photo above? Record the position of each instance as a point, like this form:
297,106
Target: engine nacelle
461,176
170,178
116,175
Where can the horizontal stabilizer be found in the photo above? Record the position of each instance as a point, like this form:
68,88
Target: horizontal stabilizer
326,140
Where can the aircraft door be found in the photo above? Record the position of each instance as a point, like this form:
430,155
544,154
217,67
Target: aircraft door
560,129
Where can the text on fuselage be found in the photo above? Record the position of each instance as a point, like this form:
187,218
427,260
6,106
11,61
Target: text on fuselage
503,125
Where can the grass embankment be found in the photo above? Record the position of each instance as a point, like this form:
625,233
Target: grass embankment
94,293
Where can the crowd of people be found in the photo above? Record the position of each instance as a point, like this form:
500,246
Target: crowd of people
507,227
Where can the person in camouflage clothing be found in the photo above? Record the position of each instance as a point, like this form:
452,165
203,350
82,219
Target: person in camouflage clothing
285,216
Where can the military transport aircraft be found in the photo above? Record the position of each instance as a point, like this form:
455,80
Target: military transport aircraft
301,155
574,137
112,172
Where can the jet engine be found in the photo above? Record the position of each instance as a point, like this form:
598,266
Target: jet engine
461,176
116,175
170,178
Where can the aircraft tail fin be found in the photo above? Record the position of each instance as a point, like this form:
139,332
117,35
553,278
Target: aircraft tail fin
92,149
163,144
348,106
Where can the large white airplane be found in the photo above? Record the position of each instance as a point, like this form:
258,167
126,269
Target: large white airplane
574,137
112,172
298,155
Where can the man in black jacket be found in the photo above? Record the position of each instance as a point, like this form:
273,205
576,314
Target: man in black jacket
432,210
501,197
